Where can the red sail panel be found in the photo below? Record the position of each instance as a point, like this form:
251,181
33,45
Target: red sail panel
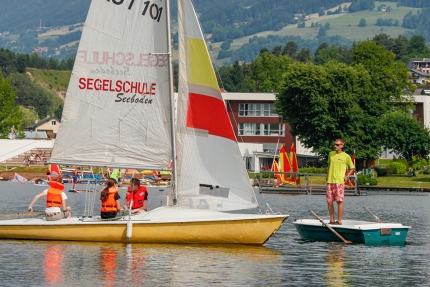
208,113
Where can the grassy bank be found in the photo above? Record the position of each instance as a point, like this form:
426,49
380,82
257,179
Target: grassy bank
397,180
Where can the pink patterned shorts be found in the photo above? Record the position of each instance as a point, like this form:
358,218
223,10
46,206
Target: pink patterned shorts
335,191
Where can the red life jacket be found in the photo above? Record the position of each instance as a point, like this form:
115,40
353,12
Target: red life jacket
109,205
54,197
138,196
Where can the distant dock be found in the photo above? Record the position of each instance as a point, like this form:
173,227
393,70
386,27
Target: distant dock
269,186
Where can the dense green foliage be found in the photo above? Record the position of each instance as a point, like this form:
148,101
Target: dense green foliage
366,180
397,167
19,15
10,115
420,22
321,103
405,135
11,62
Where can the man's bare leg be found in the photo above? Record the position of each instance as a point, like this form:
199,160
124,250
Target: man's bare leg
331,211
340,211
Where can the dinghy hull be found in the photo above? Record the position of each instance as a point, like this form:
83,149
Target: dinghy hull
360,232
163,225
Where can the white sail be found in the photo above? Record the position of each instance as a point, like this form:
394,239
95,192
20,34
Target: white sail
211,172
116,111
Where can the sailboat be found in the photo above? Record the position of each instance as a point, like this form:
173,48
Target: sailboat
119,112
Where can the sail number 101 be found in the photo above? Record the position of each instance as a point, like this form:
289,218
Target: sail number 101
154,11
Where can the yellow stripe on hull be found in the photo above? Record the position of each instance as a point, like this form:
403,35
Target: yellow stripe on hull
246,231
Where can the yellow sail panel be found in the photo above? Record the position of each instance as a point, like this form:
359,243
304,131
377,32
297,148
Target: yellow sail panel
201,71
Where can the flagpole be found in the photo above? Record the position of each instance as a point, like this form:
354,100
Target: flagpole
274,155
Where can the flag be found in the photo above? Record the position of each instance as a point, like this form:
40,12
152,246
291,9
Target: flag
278,176
294,163
54,171
285,166
350,182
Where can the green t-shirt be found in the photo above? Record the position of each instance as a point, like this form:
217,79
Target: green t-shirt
338,163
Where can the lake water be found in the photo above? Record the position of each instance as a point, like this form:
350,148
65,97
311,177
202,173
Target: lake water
285,260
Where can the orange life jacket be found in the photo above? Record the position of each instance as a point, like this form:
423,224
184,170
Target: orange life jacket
54,197
109,205
138,196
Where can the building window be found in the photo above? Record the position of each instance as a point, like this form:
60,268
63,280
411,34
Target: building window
247,129
273,129
257,110
254,129
53,123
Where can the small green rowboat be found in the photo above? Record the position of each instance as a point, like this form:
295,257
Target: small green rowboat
360,232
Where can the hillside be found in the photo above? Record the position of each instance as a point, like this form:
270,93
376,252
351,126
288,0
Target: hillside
344,25
55,81
53,27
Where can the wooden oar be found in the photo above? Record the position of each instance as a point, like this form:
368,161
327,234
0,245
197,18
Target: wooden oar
329,227
377,218
21,214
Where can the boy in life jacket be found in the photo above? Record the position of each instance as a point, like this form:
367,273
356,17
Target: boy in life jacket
109,198
56,207
139,195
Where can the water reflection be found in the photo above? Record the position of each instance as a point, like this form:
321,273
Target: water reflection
285,260
335,272
135,264
53,263
108,262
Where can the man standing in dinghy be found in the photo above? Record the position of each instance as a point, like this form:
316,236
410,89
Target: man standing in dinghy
139,195
56,207
338,161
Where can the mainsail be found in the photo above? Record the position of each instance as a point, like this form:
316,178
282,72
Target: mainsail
116,111
211,172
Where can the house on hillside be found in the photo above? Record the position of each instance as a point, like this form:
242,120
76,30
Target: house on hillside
50,125
419,70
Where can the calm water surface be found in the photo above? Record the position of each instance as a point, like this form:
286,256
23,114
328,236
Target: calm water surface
285,260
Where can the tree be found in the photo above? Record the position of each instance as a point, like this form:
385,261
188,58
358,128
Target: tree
10,114
322,32
320,104
29,94
304,55
29,116
329,54
362,23
404,135
225,45
290,49
267,69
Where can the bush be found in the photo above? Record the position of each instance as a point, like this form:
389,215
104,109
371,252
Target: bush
381,171
397,167
364,179
418,163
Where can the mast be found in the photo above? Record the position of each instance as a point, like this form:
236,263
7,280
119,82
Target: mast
172,106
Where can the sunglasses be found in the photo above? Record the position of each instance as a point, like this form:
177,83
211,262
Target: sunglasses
337,144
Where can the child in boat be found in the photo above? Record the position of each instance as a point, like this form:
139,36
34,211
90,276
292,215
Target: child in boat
109,198
139,195
56,207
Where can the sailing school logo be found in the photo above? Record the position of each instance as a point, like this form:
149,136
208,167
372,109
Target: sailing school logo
141,90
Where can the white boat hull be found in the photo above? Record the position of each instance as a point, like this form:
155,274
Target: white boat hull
162,225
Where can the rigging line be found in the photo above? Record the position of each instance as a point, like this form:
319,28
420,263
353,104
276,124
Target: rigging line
235,122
